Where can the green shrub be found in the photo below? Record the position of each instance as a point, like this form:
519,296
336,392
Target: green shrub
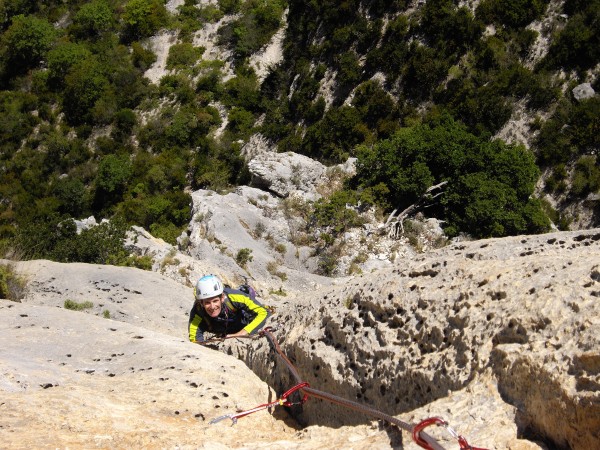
243,257
327,264
191,17
577,46
74,197
230,6
586,177
62,58
572,131
111,179
334,138
273,269
75,306
336,212
17,121
242,91
391,55
141,262
92,19
448,28
183,55
259,20
12,285
280,292
124,121
142,58
26,42
143,18
85,84
349,69
512,13
169,232
241,122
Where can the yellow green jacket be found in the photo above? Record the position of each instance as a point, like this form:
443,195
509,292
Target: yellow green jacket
238,312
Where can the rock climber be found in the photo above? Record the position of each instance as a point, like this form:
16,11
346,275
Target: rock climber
224,311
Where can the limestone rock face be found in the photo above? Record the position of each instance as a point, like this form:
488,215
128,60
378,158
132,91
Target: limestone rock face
286,173
252,219
521,312
74,379
499,337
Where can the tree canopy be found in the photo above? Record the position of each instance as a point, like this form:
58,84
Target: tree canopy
489,183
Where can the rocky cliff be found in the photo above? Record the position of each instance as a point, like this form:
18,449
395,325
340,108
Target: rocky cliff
499,337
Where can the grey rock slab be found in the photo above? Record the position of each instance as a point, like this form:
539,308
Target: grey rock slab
130,295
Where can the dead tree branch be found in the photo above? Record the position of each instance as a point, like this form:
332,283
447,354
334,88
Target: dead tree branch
394,223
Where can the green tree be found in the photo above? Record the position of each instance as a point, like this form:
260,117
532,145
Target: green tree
377,108
62,58
334,138
93,19
124,121
423,71
349,69
85,84
144,18
26,43
512,13
390,57
111,180
448,28
489,184
242,91
73,196
240,121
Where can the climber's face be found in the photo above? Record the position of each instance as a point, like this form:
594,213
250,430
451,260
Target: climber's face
213,305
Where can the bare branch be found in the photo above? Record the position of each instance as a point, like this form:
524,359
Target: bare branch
395,225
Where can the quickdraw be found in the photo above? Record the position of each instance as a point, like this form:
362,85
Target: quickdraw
420,437
416,434
281,401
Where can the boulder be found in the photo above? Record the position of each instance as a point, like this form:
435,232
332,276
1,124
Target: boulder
286,173
583,91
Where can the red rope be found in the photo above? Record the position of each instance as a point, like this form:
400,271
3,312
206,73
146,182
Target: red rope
419,436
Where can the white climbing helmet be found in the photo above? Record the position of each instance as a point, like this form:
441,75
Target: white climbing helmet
208,286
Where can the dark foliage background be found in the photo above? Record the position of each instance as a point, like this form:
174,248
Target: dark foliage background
418,94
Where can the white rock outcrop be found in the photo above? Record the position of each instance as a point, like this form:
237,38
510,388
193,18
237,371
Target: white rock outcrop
286,174
583,91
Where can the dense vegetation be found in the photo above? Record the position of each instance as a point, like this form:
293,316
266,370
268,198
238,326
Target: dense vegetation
83,131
